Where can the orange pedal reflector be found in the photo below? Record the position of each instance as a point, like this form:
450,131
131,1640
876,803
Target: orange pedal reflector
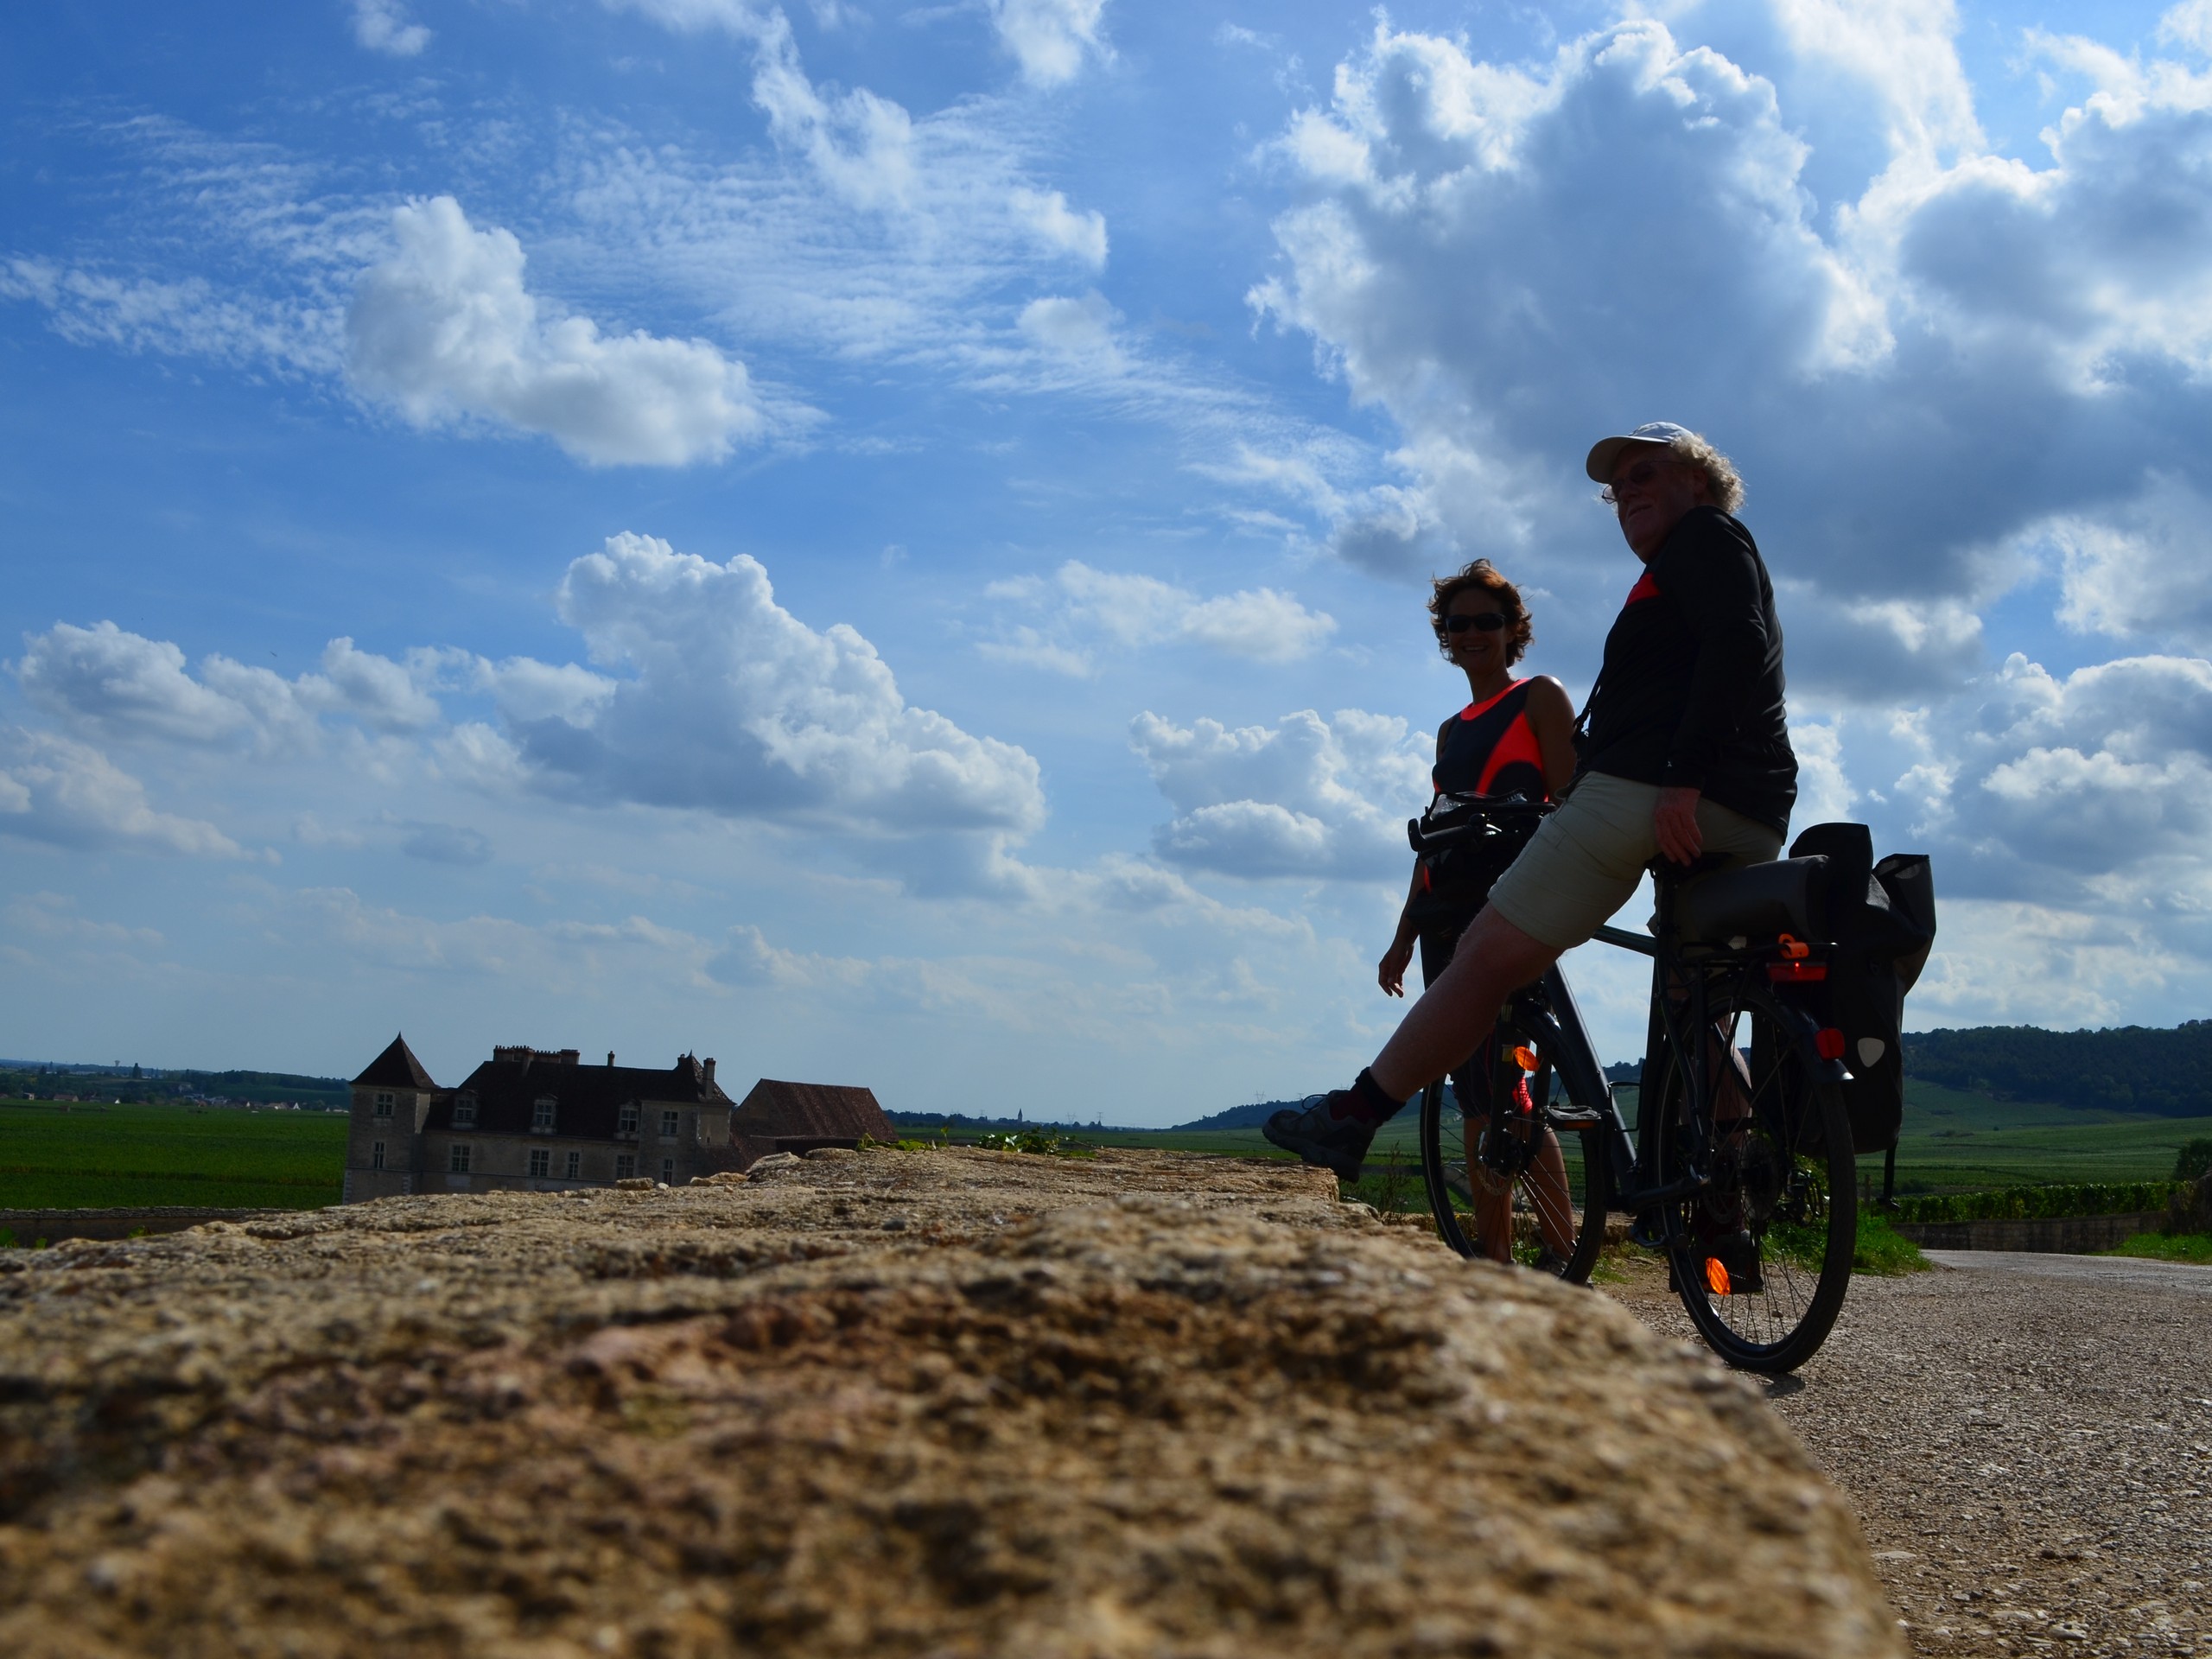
1524,1056
1716,1275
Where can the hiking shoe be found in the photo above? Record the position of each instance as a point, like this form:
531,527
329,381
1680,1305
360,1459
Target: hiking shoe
1328,1132
1549,1261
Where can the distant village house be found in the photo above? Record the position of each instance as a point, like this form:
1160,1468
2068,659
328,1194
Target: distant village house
540,1121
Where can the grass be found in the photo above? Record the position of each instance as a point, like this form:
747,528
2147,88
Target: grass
134,1156
1882,1252
1956,1141
2168,1247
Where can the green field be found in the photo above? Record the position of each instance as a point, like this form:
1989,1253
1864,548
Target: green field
129,1155
87,1156
1954,1141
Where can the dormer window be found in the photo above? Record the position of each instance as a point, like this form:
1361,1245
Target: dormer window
464,1112
384,1104
541,1114
625,1119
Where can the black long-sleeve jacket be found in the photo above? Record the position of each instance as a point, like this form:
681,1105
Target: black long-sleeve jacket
1691,692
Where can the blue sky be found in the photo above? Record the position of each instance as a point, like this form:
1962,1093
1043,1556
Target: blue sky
884,543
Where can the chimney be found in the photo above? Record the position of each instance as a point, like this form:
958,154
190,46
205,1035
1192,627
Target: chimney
610,1057
710,1071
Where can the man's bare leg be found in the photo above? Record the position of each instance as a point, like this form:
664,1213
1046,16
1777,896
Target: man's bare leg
1492,960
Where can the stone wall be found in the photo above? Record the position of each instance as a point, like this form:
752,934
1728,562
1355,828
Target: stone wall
885,1404
2064,1235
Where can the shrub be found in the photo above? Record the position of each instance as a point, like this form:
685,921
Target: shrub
2194,1161
2037,1203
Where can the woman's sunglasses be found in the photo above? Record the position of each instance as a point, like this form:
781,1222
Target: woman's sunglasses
1488,622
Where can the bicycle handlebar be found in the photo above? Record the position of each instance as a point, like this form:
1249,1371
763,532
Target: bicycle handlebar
1486,819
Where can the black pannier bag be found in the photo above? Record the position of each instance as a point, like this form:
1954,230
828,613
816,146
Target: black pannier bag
1880,925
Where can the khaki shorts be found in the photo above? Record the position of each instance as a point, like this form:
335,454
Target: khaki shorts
1585,860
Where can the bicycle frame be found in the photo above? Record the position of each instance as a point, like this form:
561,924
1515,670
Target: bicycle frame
1680,1012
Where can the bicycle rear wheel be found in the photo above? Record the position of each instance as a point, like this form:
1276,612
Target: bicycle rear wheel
1541,1211
1762,1256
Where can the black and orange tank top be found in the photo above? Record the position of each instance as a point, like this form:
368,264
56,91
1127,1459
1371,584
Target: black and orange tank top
1491,749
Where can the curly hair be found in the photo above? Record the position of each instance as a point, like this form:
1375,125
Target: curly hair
1723,485
1483,574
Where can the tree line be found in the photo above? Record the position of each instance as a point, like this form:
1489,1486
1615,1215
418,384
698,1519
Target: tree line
2165,1071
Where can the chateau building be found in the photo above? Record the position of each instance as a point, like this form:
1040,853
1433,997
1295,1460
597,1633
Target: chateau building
539,1120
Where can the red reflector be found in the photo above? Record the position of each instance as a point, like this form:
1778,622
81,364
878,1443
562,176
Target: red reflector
1795,973
1828,1043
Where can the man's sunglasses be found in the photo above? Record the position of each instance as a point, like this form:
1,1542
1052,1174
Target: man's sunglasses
1635,478
1488,622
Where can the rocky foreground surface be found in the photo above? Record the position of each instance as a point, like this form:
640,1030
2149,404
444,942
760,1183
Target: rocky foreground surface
885,1403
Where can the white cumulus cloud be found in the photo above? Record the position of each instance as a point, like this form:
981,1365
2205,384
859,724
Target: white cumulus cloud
730,705
1050,38
1305,798
56,790
1963,357
1080,609
123,684
446,328
383,26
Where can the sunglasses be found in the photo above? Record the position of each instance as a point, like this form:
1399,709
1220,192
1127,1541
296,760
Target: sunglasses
1635,478
1488,622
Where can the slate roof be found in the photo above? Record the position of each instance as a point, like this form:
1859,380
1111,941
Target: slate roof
775,1110
586,1098
396,1068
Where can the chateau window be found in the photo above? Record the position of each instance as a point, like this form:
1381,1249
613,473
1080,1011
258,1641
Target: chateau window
541,1116
383,1105
376,1156
668,1172
626,1164
625,1119
541,1163
458,1162
464,1112
668,1122
576,1165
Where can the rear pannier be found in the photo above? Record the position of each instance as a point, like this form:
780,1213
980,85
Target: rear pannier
1880,926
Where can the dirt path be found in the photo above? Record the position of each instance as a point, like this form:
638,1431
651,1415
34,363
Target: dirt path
2029,1441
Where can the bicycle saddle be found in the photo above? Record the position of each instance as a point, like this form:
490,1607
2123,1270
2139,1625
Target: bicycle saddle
1785,896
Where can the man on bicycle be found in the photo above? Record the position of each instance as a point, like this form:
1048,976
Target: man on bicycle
1687,754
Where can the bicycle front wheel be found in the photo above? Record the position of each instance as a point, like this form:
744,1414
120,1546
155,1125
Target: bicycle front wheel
1762,1256
1535,1192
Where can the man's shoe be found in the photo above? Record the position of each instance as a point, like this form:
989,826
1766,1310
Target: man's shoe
1327,1133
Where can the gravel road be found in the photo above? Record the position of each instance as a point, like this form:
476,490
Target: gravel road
2029,1441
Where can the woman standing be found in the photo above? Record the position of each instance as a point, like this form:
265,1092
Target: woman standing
1514,737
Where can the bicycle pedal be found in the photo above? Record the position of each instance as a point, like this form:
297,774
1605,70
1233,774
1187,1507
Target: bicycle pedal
1576,1117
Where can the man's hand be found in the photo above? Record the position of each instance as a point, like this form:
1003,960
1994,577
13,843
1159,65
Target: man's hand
1674,821
1390,973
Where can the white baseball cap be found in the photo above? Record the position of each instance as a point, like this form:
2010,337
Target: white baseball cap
1605,453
